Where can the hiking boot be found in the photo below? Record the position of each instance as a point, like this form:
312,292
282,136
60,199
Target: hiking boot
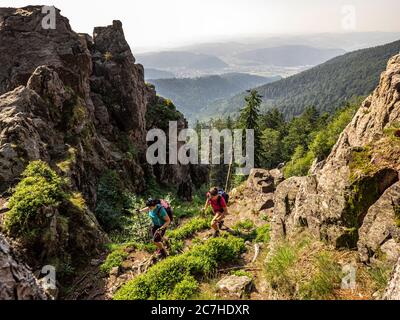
221,224
161,253
216,234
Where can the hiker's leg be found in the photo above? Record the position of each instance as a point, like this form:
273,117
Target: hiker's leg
158,238
217,219
159,245
214,224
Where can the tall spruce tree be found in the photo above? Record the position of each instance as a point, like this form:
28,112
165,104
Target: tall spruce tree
249,119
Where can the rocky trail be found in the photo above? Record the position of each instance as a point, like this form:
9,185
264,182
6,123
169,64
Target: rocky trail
74,114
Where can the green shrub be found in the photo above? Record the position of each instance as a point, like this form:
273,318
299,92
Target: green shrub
263,233
242,273
380,275
278,268
114,259
244,225
300,163
185,289
161,279
110,201
176,247
324,281
40,187
189,228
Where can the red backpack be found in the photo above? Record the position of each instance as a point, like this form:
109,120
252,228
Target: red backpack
165,204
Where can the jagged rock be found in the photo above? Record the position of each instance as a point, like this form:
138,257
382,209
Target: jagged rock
285,201
25,45
83,95
264,181
377,233
363,164
118,82
268,202
235,285
78,103
17,282
393,289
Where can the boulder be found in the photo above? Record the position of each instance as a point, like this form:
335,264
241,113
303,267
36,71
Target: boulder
393,289
283,220
235,285
264,181
17,282
378,232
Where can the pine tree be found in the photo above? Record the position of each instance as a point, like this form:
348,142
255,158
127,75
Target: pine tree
249,119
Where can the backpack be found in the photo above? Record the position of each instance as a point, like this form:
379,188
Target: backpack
165,204
222,194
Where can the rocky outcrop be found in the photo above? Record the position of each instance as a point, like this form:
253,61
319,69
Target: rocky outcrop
235,286
264,181
25,45
17,281
80,104
74,101
379,233
393,289
351,197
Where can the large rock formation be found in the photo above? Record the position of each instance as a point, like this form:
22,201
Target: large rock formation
74,101
353,197
17,281
80,104
393,289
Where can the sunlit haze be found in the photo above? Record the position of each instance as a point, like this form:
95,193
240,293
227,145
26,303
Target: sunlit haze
155,24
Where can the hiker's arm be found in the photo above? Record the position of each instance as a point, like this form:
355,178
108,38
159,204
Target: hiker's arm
226,210
167,222
147,209
207,204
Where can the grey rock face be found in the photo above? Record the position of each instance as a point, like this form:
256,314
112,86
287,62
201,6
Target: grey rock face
393,289
379,231
336,199
235,285
17,281
264,181
65,92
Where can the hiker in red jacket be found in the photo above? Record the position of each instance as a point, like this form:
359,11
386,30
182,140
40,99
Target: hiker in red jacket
219,207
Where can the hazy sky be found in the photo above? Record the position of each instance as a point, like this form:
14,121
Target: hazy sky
168,23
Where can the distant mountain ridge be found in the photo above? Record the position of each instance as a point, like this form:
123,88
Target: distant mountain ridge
290,55
169,60
326,86
190,95
150,73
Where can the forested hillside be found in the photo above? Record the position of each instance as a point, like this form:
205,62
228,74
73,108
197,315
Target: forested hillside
289,56
190,95
325,86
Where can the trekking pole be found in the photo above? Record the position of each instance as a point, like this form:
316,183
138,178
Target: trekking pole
229,174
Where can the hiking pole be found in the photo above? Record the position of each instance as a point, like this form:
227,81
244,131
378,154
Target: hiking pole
229,173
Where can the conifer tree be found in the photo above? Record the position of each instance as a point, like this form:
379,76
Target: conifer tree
249,119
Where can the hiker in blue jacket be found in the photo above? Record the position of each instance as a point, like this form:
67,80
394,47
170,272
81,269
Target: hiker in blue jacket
161,221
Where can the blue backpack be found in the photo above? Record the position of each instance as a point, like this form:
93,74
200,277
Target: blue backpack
222,194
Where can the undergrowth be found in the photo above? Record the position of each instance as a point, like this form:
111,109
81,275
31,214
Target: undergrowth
171,278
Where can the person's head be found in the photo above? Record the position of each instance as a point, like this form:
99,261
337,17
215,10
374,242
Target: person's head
151,203
213,192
